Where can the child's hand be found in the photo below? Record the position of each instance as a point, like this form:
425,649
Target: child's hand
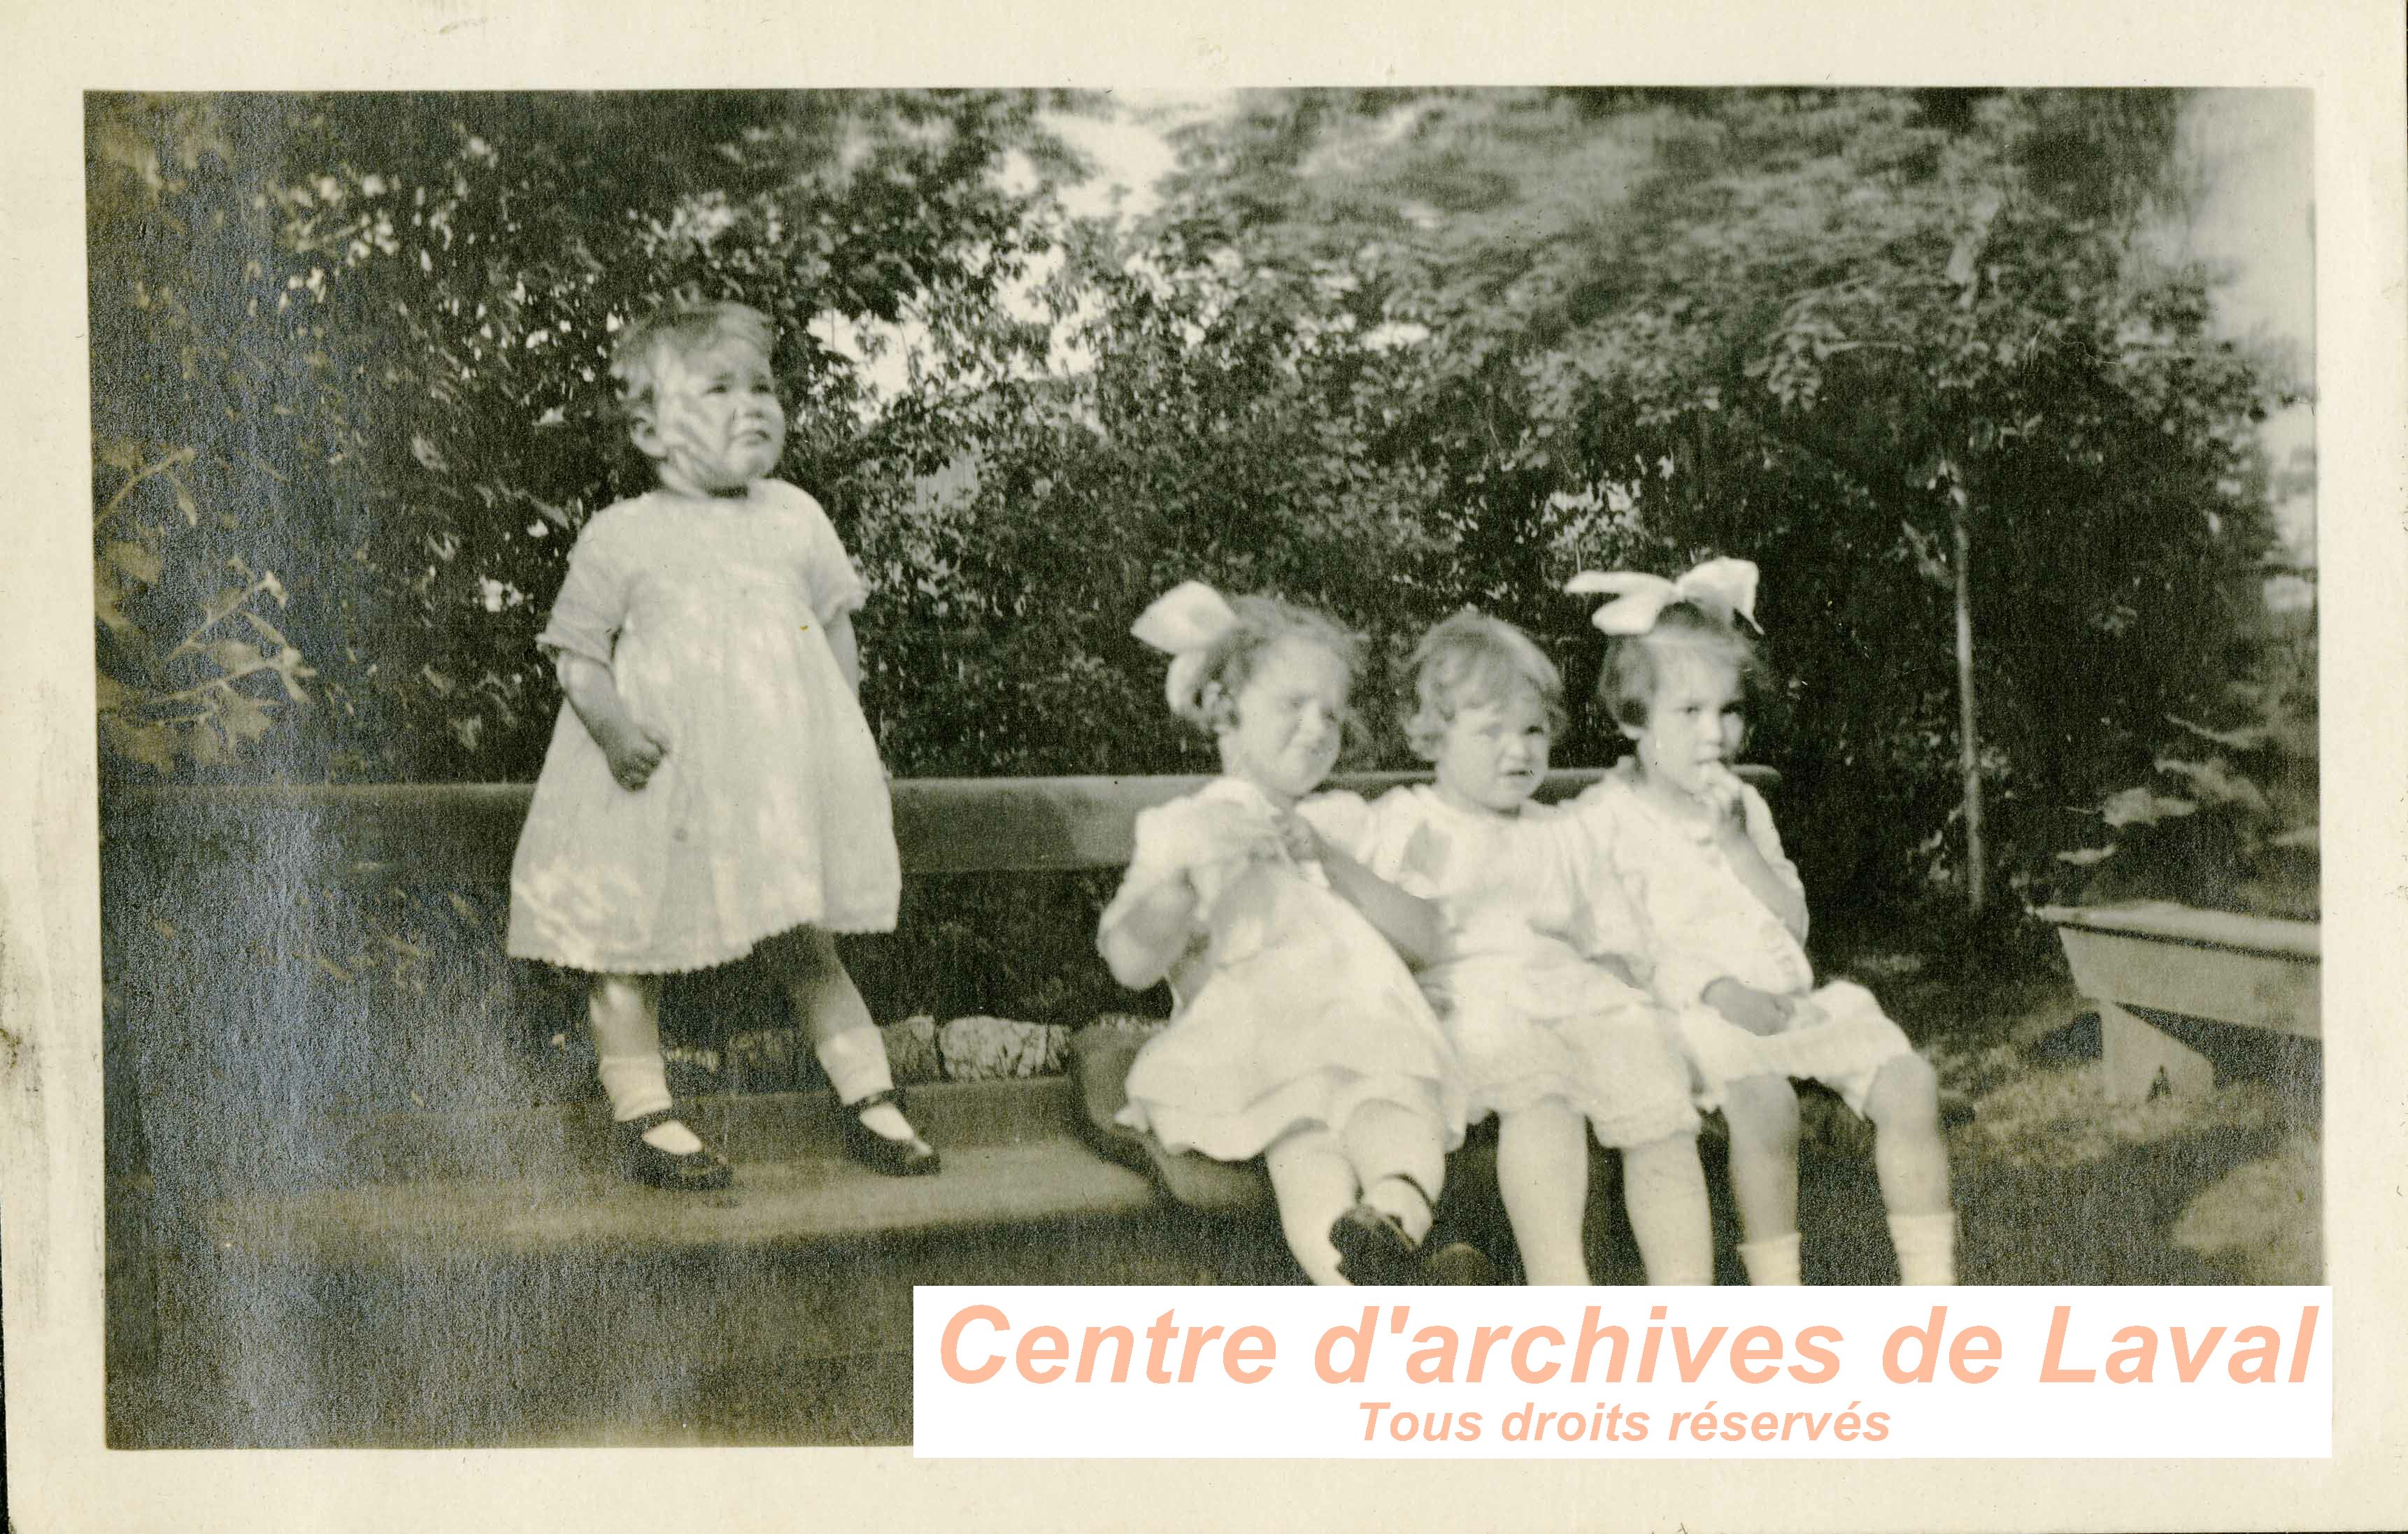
1303,842
1235,834
1759,1012
633,751
1722,789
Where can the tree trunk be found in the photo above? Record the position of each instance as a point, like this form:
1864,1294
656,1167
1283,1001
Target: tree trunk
1976,872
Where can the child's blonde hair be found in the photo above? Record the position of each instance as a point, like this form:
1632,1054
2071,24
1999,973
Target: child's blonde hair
1471,658
1210,704
680,327
1628,684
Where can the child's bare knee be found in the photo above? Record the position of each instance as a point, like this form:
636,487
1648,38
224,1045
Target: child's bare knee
1761,1110
1905,1090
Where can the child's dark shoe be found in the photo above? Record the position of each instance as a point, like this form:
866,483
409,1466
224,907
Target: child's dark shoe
700,1170
888,1158
1373,1249
1458,1262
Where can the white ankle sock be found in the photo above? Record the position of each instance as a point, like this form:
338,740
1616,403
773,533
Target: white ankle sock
856,1063
1771,1261
637,1085
1927,1247
1402,1201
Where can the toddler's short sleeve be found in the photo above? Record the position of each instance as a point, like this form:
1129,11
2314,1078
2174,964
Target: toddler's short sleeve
593,601
830,583
1169,840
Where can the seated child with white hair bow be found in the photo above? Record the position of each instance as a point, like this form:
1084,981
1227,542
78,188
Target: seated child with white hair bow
1300,1035
1726,916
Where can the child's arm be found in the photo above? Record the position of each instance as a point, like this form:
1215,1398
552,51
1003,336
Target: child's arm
1620,903
632,750
1157,916
1779,898
1411,925
847,647
1741,834
1143,939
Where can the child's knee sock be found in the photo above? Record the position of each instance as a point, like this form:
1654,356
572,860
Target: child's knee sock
856,1063
627,1056
637,1085
1927,1247
1771,1261
1664,1193
1386,1143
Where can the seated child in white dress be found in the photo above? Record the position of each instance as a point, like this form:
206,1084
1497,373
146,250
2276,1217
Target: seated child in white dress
1299,1035
1725,915
711,788
1535,986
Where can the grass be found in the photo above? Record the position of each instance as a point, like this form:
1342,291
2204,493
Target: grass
2056,1184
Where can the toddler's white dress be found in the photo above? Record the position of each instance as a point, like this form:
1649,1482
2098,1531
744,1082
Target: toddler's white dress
1520,992
1293,1010
1703,924
770,809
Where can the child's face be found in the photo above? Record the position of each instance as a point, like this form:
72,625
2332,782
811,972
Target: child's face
1694,722
1494,753
1290,720
716,424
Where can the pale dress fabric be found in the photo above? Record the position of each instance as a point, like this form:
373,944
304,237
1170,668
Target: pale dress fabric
771,810
1293,1010
1530,1011
1704,923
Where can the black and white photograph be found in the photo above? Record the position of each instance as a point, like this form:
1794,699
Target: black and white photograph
712,704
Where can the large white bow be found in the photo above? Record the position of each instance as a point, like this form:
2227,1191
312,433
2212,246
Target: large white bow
1723,586
1183,623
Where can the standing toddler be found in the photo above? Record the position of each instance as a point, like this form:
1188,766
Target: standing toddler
712,790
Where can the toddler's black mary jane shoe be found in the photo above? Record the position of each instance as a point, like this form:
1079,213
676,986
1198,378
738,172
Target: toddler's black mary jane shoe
1373,1249
888,1158
699,1172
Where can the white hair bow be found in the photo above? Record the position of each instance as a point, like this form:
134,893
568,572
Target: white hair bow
1726,588
1183,623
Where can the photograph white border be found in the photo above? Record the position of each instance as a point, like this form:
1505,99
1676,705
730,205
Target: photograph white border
2348,51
